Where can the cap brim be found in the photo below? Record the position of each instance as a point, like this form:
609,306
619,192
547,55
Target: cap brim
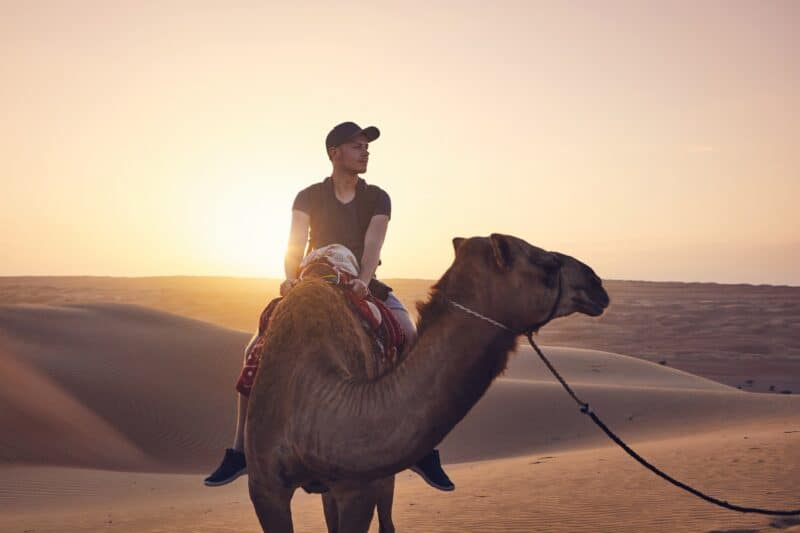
371,133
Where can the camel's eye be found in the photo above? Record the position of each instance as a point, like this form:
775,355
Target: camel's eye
549,263
551,267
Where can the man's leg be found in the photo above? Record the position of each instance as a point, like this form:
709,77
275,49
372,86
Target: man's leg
233,462
403,318
241,414
429,467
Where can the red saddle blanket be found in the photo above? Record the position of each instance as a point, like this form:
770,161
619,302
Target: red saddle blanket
387,335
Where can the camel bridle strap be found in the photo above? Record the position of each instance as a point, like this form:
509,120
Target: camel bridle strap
585,409
478,315
533,328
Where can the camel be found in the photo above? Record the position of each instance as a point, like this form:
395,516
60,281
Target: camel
322,413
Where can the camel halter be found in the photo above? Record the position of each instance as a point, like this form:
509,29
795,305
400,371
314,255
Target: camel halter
534,328
585,409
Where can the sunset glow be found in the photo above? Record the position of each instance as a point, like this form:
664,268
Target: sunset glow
655,142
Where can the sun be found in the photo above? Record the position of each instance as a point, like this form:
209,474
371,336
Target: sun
249,242
242,231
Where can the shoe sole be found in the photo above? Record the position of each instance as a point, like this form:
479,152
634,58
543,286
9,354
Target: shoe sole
231,479
430,482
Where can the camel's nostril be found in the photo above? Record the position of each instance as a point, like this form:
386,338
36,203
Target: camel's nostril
604,300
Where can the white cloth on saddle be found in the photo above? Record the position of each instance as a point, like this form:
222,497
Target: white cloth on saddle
338,255
341,258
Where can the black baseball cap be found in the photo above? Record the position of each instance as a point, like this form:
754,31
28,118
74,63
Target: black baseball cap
341,133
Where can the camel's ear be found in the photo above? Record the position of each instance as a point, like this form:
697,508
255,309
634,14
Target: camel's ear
457,242
501,248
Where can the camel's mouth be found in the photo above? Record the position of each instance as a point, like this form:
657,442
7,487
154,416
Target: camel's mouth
588,307
593,306
593,309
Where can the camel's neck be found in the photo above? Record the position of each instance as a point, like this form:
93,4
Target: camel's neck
449,369
392,422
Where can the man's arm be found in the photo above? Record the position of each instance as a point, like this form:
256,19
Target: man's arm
373,242
298,239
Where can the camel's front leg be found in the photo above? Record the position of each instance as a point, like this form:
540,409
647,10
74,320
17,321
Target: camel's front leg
331,512
356,505
273,507
385,500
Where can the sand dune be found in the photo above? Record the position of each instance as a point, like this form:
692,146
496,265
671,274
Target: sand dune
106,386
165,383
161,380
44,423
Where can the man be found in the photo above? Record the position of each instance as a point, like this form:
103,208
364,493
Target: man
341,209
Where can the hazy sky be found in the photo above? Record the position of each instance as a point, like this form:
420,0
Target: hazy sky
652,140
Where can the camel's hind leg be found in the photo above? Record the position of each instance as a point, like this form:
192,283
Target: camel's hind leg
385,500
272,506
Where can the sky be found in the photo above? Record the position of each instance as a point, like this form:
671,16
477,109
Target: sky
651,140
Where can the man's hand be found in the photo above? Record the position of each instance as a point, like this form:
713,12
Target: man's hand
287,285
359,288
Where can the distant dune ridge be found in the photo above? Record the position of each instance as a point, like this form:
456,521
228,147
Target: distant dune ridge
107,386
740,335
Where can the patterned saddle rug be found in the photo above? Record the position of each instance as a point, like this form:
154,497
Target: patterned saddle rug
379,322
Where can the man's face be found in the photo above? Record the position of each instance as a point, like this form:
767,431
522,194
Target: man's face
352,156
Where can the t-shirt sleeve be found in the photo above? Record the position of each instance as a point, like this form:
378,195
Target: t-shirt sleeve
302,202
383,205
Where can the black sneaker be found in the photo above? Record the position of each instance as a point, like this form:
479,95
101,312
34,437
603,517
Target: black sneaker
233,465
430,469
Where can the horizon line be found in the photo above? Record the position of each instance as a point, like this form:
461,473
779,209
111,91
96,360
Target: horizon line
385,278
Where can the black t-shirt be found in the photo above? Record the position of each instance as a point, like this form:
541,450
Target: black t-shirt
331,221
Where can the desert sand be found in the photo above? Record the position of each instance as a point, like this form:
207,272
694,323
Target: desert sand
116,399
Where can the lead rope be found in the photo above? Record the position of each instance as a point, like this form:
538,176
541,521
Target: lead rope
585,409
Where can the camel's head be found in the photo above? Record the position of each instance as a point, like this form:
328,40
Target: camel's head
525,286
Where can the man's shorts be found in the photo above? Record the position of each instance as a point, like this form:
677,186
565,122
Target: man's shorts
394,304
